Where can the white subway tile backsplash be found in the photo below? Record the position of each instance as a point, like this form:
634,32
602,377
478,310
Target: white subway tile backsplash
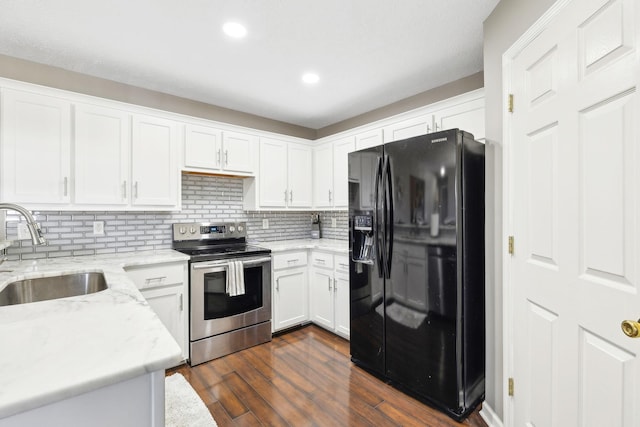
204,198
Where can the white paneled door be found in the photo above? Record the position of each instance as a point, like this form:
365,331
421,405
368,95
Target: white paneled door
573,196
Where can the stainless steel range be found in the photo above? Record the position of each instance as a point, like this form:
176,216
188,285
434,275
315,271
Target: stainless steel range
230,289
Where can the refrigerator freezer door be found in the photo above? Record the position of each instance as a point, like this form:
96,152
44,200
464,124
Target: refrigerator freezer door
366,281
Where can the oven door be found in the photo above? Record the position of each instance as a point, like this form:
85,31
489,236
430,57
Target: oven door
214,312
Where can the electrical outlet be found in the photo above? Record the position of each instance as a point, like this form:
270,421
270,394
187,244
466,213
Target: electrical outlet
265,224
23,231
334,223
98,228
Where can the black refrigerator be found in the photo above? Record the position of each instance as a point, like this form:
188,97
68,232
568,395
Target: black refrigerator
416,219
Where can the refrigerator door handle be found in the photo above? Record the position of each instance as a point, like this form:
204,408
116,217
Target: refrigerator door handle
376,220
388,217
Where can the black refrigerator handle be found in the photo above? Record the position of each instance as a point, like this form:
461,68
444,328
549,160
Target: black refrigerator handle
388,217
376,220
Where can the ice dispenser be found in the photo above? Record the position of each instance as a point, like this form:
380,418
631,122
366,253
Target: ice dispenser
363,239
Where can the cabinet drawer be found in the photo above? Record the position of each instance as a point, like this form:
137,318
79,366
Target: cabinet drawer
289,260
342,263
155,275
322,259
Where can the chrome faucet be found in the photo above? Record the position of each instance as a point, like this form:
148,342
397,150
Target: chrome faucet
34,229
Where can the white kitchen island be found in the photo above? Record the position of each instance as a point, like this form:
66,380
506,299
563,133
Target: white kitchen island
95,359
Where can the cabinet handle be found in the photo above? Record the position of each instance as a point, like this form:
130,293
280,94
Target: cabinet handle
66,186
329,195
344,265
293,260
154,279
436,126
226,157
135,189
285,197
320,260
124,190
180,307
278,284
218,160
329,281
335,285
290,196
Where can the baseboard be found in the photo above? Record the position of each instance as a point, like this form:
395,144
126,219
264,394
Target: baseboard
489,416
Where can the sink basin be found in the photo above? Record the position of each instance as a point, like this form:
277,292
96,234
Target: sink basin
47,288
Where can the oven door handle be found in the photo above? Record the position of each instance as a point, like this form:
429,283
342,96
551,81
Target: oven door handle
222,263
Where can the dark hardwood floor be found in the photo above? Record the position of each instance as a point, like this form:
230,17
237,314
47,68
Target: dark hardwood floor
305,378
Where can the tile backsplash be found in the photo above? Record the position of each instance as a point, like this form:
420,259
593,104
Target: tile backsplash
204,198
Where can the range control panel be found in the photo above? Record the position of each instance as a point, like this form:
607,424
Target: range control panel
209,231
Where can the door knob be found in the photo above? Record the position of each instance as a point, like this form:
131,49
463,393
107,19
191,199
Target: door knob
631,328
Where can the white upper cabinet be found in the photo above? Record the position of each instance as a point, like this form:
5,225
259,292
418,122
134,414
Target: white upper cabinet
155,172
323,195
467,116
414,126
36,148
101,156
273,173
369,139
285,174
300,178
331,173
202,147
208,149
236,151
341,150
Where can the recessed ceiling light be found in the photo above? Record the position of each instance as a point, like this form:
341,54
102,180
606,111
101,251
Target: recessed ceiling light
310,78
235,30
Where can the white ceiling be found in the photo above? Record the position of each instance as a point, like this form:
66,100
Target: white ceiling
368,53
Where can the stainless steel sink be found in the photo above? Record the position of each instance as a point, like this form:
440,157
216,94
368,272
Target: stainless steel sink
47,288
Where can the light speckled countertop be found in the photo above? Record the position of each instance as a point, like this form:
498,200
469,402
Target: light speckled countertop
333,245
53,350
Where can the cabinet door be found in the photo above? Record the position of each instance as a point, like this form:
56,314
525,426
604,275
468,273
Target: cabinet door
369,139
323,176
202,147
341,288
468,116
300,179
417,283
273,173
290,298
168,304
36,148
236,152
102,140
341,150
409,128
321,297
155,173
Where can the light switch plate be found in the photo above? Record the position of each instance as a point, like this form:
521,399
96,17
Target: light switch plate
98,228
265,224
334,223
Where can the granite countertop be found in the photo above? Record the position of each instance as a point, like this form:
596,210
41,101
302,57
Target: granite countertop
334,245
56,349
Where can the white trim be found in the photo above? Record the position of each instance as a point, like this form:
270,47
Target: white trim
489,416
507,195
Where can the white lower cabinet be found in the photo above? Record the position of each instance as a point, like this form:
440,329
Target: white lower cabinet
290,289
329,292
165,287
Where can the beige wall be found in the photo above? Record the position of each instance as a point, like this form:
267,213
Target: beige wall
508,21
32,72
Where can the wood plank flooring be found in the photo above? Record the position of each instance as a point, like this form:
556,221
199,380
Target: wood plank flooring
305,378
